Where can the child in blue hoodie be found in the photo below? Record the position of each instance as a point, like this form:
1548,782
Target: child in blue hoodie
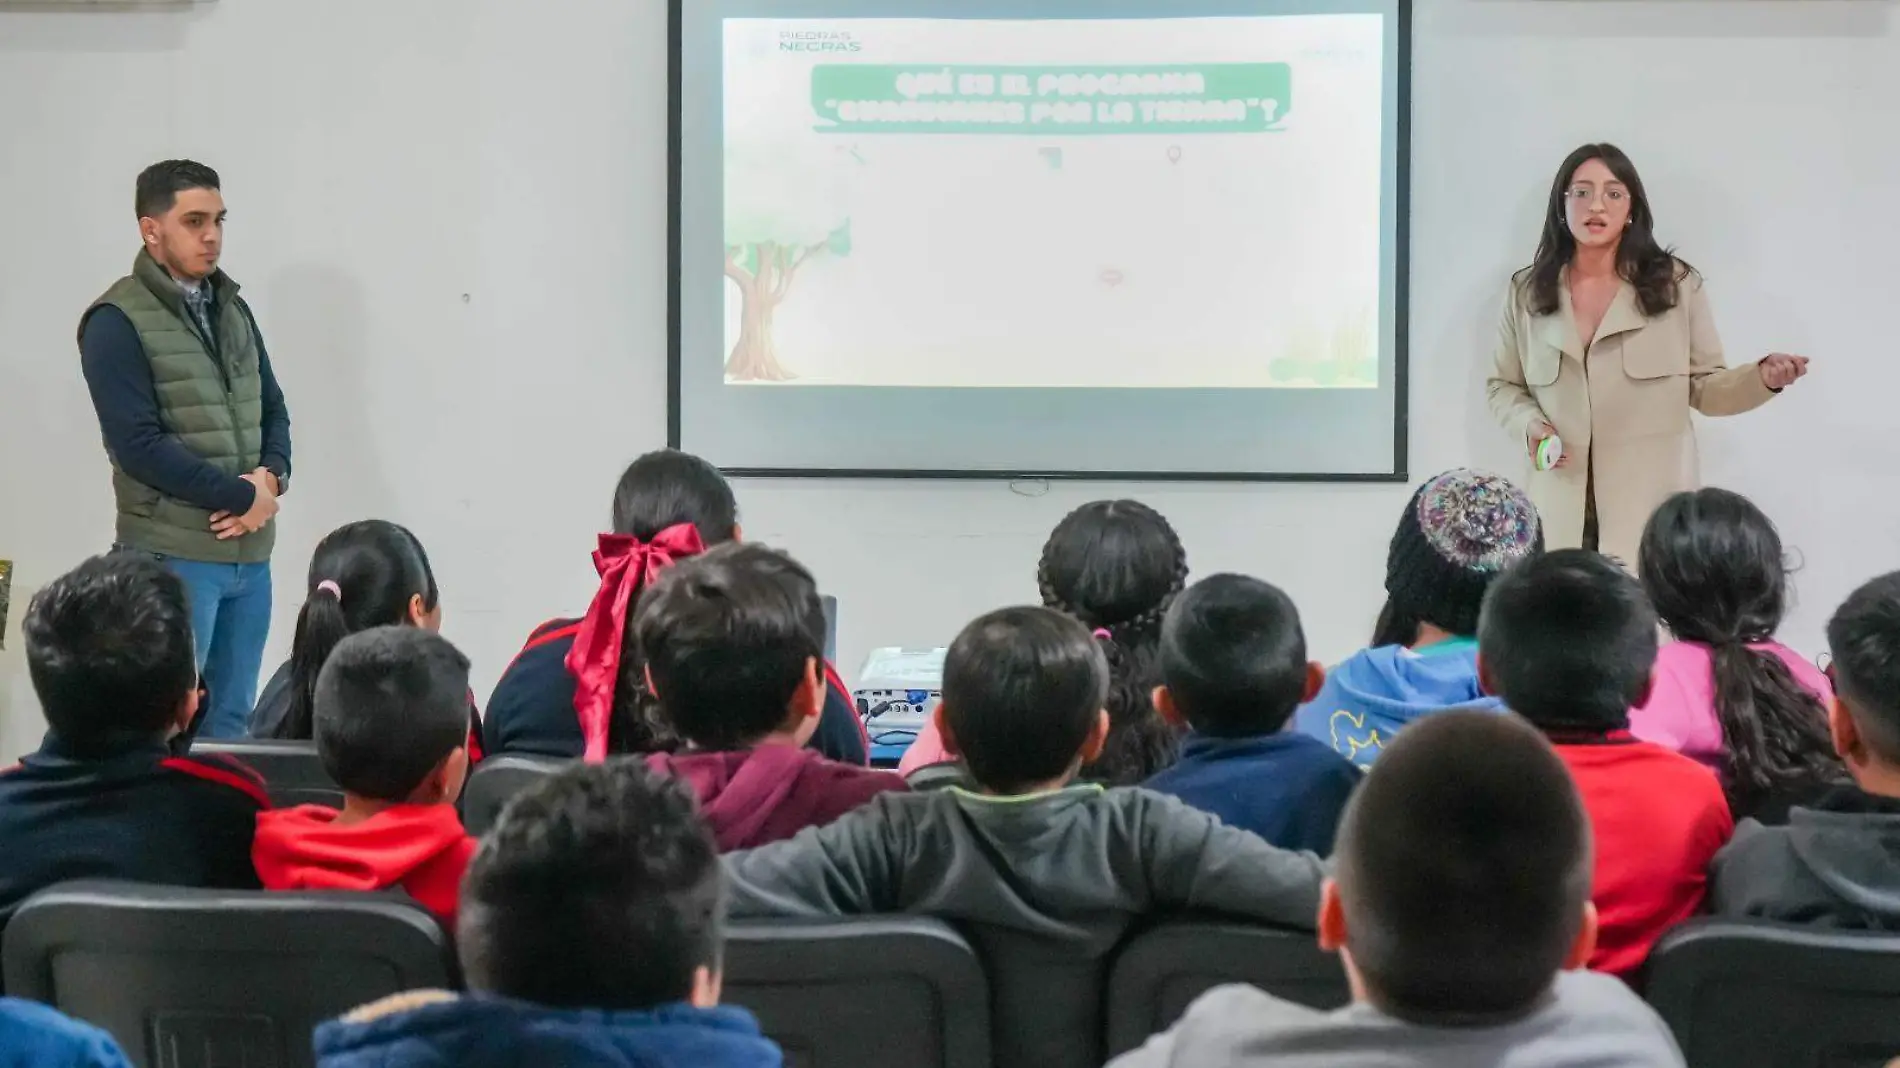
1460,531
590,933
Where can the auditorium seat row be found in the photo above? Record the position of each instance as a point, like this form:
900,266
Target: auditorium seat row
186,977
199,977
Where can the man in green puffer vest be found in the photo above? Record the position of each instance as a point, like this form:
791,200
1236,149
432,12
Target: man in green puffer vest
195,428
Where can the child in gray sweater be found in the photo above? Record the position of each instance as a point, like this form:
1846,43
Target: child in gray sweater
1027,850
1459,905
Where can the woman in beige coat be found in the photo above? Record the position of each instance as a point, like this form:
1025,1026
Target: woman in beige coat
1608,343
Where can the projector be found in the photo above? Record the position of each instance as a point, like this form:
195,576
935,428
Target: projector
897,693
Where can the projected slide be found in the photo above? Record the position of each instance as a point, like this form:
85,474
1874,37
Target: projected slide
1115,203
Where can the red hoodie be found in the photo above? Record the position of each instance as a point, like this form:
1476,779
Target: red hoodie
421,849
754,796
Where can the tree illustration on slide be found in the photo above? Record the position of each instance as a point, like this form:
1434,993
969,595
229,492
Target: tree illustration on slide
780,216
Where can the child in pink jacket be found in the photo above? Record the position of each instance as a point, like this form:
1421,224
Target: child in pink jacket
1726,693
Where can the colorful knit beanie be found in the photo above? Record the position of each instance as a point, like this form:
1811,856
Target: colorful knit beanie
1460,531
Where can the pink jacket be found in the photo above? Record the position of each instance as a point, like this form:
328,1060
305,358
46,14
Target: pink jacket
928,749
1680,713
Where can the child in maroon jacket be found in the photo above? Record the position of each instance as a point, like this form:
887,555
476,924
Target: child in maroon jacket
390,718
1568,641
733,642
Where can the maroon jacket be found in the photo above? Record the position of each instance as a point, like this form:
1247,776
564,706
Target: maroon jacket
753,796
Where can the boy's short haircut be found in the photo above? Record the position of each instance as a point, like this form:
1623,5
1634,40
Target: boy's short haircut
598,888
109,649
1569,641
727,636
1463,864
1233,656
391,703
1864,639
1022,689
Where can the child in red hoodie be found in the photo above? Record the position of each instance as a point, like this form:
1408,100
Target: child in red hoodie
1568,640
734,647
391,726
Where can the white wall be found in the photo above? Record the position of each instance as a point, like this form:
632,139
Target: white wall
450,215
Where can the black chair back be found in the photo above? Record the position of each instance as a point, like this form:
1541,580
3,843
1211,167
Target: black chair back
1160,970
293,775
876,992
186,978
1045,999
1744,994
496,780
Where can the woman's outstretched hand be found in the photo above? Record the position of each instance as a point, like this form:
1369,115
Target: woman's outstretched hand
1779,370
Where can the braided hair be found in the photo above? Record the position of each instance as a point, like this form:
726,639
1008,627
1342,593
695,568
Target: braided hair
1713,566
1116,566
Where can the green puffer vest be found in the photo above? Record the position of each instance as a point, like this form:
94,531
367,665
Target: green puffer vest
210,397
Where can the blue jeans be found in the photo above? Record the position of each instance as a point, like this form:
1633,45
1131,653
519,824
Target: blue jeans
230,618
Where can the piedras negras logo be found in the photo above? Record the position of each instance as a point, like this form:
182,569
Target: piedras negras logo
819,41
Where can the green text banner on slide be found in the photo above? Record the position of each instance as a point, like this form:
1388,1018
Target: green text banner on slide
1041,237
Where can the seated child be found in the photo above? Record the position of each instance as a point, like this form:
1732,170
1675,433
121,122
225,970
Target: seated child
1568,641
111,793
1727,694
366,574
1233,668
1460,531
1022,703
576,689
734,644
1116,566
1459,904
35,1036
391,725
1837,862
591,934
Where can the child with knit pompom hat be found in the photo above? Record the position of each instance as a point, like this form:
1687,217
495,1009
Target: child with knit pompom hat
1460,530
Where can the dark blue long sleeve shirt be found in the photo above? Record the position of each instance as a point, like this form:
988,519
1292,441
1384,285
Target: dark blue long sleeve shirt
123,393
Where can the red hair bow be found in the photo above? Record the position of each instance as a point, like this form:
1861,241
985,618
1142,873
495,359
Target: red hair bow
626,564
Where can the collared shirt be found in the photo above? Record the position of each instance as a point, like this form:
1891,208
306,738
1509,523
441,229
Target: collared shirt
199,297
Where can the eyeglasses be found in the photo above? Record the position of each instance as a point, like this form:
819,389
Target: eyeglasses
1583,194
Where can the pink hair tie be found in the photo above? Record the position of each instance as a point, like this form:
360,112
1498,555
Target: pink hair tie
331,588
1102,634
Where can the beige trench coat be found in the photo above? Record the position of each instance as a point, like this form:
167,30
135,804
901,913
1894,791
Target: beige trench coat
1621,408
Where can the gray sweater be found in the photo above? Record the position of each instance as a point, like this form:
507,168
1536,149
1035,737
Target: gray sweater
1590,1021
1076,866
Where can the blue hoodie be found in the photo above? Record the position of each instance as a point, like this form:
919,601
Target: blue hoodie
1375,692
433,1029
34,1036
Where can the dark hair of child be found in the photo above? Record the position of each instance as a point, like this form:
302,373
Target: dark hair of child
1464,867
1233,656
1714,569
1116,566
659,491
1864,638
598,888
392,704
109,649
728,637
1568,641
1022,691
366,574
